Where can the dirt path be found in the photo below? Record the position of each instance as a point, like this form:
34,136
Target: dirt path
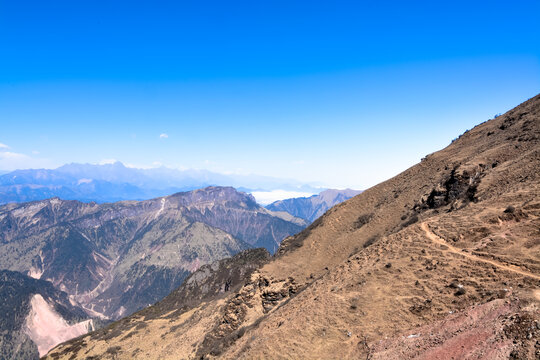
437,239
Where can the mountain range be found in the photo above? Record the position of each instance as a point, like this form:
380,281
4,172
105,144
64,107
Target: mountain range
109,260
116,182
442,261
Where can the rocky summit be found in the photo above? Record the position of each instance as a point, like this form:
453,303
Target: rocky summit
441,261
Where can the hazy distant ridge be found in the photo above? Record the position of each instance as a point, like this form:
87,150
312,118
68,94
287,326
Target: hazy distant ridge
116,182
310,208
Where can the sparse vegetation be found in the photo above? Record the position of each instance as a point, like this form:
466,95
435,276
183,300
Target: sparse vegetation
114,351
371,240
510,209
362,220
411,220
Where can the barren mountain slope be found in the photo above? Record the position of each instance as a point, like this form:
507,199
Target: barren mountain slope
443,259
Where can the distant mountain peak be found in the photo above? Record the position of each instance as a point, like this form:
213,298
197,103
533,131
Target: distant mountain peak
115,164
310,208
218,194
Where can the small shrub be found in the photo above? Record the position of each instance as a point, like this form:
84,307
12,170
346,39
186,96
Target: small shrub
113,350
362,220
510,209
370,241
412,220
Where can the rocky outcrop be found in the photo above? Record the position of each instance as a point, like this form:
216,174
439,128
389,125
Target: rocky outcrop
458,189
242,311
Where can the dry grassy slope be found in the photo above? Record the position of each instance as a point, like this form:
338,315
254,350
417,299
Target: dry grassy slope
335,237
399,258
173,325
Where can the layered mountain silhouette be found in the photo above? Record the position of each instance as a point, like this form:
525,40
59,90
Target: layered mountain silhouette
116,182
113,259
311,208
441,261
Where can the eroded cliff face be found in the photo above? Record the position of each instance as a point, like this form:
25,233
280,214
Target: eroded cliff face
446,248
46,328
35,316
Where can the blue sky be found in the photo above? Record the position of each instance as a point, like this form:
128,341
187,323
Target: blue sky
343,93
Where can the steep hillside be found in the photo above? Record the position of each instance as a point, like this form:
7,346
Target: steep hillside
442,260
114,259
25,302
176,314
311,208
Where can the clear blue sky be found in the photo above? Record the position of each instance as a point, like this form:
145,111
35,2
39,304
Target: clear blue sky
343,93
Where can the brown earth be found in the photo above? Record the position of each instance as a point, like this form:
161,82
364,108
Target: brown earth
440,262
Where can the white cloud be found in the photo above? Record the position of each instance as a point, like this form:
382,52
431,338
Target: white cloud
153,165
138,166
12,161
35,152
163,136
267,197
107,161
8,155
3,146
